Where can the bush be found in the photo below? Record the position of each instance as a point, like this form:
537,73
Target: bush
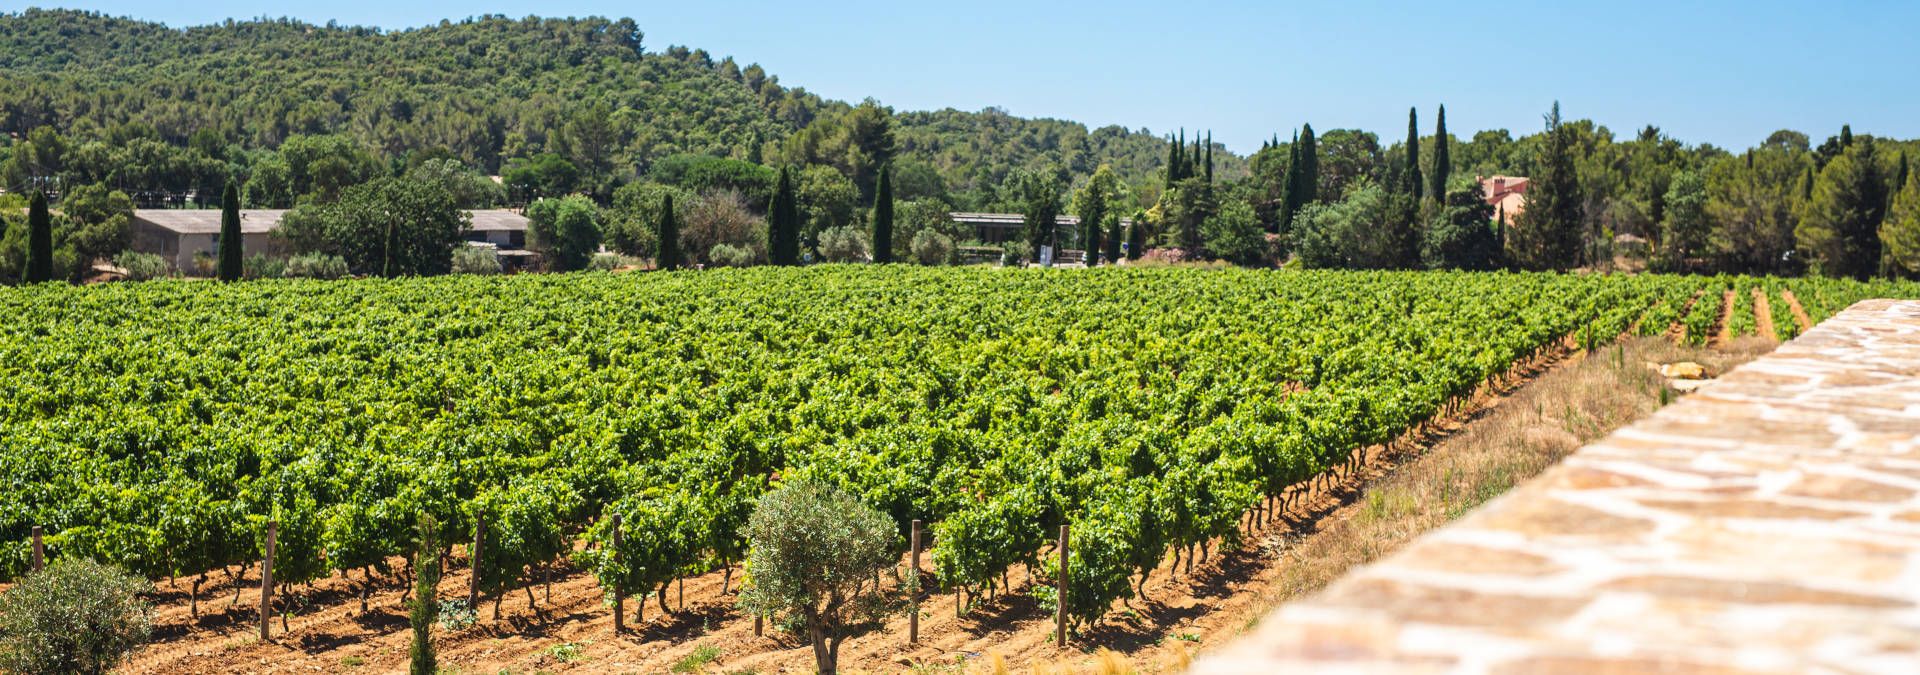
932,248
143,266
316,266
77,616
728,255
1014,253
261,266
476,260
204,265
844,244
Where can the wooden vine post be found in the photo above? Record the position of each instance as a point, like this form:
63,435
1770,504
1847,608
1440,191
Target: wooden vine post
913,616
39,551
1060,603
619,596
266,579
473,582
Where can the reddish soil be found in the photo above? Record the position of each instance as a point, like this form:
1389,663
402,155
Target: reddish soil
1763,316
1723,326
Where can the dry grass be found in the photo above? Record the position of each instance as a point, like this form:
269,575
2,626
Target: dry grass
1511,442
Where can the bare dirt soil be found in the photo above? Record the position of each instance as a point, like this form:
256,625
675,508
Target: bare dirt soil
1763,315
1183,611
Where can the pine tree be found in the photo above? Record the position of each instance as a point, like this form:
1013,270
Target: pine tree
425,605
1412,182
39,240
1899,181
883,217
669,235
1841,228
753,149
1547,234
1442,159
230,239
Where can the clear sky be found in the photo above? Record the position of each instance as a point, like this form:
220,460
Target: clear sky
1725,72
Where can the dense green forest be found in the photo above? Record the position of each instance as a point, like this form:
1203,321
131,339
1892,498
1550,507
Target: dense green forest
352,124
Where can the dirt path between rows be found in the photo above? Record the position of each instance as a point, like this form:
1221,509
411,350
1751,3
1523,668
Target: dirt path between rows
1723,326
1799,313
1763,315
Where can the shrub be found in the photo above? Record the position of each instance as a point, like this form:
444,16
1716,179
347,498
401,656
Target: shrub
261,266
843,244
476,260
932,248
728,255
204,265
143,266
76,616
316,266
1014,253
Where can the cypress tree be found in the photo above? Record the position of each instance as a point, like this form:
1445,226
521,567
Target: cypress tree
230,239
1210,156
1412,180
883,217
1899,178
425,605
753,149
1442,159
1173,162
783,224
1846,136
1137,236
1309,185
669,235
1289,188
39,240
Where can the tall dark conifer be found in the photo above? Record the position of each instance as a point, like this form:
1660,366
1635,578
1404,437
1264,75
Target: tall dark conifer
783,224
1210,156
39,239
1289,188
1442,159
230,238
1309,186
669,235
883,217
1413,184
1547,234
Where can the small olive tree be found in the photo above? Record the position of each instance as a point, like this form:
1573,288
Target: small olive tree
817,556
76,616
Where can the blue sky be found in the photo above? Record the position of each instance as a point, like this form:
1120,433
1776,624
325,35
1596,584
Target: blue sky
1722,72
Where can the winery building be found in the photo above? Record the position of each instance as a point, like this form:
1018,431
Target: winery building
182,235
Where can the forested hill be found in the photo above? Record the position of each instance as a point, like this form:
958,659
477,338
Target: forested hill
490,89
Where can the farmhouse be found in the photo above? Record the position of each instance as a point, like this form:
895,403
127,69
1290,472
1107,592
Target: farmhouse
179,235
1506,194
997,228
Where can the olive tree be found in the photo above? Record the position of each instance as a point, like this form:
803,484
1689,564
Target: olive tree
816,556
76,616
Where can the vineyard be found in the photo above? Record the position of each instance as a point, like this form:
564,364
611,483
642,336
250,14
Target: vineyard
161,426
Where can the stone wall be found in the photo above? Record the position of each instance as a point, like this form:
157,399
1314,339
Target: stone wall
1767,523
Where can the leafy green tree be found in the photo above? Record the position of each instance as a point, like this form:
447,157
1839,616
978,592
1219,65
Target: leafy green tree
817,554
391,226
1547,234
668,236
1364,231
699,173
39,240
544,175
1039,192
1751,207
231,242
1901,231
565,230
1685,231
883,218
1442,169
1234,234
100,221
1461,233
1841,228
1095,204
826,199
1184,210
75,616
